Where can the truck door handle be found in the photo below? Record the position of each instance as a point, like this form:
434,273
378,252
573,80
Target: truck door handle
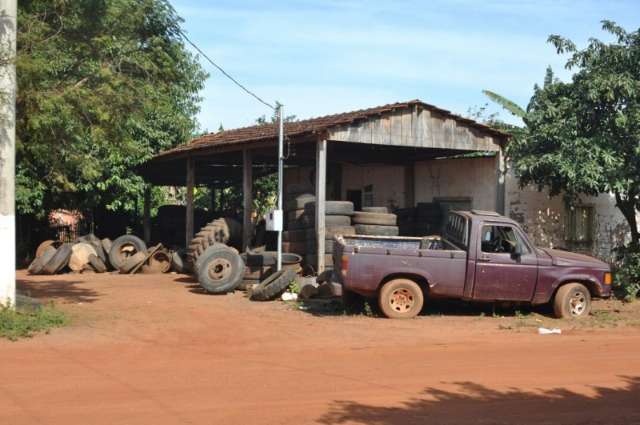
484,259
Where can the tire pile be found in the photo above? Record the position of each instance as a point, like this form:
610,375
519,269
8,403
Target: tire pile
126,254
375,221
223,230
337,221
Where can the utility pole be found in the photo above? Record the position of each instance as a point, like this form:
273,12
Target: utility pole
8,11
280,114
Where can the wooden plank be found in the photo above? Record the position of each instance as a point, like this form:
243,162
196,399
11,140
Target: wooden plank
501,170
321,188
396,128
190,179
146,214
247,198
407,129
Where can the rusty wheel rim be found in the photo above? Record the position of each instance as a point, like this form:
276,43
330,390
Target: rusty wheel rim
578,304
402,300
219,269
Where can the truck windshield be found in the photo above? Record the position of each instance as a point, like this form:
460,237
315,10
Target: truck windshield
457,230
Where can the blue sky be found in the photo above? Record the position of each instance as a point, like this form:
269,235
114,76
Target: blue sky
322,57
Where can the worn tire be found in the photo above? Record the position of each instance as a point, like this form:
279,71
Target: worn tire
572,301
401,299
177,262
223,230
380,210
374,230
94,241
269,258
361,217
43,247
97,263
106,246
158,262
132,262
273,286
300,201
332,208
59,260
39,262
220,269
337,220
80,253
123,247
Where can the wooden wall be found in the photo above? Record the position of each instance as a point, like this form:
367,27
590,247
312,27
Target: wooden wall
417,127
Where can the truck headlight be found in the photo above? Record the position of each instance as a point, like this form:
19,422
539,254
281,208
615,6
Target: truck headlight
608,278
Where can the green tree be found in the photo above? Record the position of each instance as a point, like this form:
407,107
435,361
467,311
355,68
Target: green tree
583,136
103,86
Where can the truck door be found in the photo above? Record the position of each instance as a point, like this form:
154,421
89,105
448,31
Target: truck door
506,266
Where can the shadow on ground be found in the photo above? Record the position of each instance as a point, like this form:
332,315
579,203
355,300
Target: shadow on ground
69,291
477,404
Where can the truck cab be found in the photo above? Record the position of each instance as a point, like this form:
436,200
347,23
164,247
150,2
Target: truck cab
481,256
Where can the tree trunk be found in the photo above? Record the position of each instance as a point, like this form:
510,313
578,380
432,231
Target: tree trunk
628,208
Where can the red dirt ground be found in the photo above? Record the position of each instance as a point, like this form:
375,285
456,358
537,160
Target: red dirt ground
151,350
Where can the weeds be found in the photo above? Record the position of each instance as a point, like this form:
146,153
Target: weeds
24,322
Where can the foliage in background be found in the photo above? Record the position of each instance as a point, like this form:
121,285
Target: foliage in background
583,136
24,322
103,86
627,272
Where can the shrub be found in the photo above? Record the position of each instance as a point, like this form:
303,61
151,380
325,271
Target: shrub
627,272
24,322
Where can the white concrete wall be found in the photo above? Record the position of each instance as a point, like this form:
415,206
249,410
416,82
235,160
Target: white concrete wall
544,218
387,180
473,178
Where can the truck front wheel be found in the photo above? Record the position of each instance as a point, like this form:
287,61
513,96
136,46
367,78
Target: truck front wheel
401,299
572,301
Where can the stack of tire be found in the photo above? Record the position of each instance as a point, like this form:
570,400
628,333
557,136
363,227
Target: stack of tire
224,230
299,221
428,219
337,221
86,254
375,221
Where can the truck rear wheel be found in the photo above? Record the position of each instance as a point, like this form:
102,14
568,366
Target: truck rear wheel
401,299
572,301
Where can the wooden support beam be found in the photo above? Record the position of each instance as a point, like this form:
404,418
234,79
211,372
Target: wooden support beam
191,177
410,185
146,211
501,174
247,198
321,189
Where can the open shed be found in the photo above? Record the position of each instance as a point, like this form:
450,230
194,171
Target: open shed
411,151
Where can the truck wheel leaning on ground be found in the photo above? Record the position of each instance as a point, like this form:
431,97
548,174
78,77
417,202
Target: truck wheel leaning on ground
220,269
572,301
124,247
401,299
273,286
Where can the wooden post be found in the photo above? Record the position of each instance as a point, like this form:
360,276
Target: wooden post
146,211
247,198
501,172
321,189
190,181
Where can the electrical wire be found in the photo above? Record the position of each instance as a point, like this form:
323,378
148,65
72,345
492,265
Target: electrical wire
236,82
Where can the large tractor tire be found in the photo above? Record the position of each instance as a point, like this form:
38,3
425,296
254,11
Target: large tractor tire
220,269
221,230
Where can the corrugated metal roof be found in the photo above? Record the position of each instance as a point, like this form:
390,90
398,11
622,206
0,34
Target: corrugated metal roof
311,125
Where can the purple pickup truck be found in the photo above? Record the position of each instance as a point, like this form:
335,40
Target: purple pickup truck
481,256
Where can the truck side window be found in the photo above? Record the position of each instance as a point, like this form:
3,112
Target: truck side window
501,239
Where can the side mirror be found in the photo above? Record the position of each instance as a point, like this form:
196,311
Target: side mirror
517,251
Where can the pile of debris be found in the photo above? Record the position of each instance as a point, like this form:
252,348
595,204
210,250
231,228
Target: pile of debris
126,254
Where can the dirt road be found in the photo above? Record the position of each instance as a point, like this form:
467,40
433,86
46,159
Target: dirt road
150,350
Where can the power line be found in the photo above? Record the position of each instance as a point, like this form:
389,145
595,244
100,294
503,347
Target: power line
225,72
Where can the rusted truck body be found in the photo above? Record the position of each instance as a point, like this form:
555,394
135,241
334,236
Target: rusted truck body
481,256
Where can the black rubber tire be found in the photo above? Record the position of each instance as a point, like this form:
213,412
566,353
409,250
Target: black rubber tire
332,208
178,263
300,201
117,258
59,260
215,244
562,301
132,262
379,219
381,210
222,256
273,286
38,264
373,230
96,243
106,245
257,273
223,230
353,303
337,220
414,298
269,258
97,264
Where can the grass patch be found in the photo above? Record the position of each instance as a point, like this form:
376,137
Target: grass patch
25,322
